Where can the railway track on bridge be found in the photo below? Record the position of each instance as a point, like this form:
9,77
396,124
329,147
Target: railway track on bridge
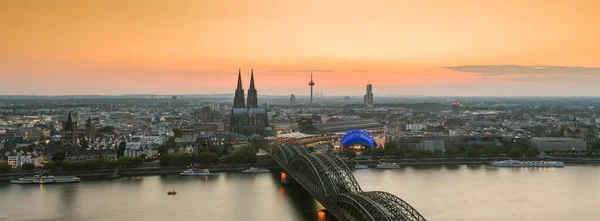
327,178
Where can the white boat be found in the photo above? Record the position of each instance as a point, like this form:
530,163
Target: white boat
255,170
39,179
516,163
195,172
64,179
361,166
387,166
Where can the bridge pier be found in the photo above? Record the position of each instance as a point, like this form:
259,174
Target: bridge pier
322,215
285,178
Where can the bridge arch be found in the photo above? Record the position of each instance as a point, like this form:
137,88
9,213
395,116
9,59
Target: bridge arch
323,172
342,176
330,181
378,205
357,137
286,153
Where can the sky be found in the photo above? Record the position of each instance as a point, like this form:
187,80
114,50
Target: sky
402,47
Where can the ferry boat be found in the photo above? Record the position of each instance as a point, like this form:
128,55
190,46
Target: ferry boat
517,163
255,170
195,172
387,166
64,179
40,179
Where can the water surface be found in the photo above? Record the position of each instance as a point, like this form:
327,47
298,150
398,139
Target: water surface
440,193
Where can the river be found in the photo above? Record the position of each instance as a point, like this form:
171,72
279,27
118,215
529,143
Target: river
440,193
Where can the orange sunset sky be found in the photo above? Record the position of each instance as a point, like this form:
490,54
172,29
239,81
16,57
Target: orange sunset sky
434,47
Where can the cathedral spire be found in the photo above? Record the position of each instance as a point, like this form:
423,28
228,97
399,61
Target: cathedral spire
68,126
238,101
252,80
252,93
69,119
239,84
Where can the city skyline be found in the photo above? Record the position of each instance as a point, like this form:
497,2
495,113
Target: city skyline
438,48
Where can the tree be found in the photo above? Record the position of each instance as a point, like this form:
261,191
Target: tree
596,147
27,166
243,155
4,167
162,150
351,154
50,165
58,156
451,152
84,144
177,132
378,152
437,153
201,142
208,158
121,148
491,151
473,152
171,142
395,152
418,153
532,152
515,152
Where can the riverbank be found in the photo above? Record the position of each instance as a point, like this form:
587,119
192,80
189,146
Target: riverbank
143,171
479,160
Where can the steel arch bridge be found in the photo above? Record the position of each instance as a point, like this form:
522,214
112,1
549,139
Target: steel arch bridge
327,178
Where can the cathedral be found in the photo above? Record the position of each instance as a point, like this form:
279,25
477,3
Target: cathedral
246,117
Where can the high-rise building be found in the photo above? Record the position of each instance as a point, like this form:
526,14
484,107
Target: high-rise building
348,100
247,119
206,114
456,109
369,96
69,133
90,131
292,100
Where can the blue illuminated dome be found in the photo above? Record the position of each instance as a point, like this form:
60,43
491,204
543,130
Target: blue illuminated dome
360,137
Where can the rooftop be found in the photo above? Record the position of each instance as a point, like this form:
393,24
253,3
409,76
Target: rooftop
555,139
259,110
347,125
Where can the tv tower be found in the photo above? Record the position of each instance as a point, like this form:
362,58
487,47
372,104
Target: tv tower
311,83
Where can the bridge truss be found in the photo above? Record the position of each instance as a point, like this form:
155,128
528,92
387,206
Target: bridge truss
330,181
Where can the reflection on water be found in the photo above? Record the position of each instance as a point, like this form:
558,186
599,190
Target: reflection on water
426,167
452,166
440,192
474,166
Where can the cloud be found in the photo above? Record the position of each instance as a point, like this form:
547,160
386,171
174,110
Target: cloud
293,70
528,71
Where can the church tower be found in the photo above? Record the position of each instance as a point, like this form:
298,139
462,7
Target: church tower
252,93
238,101
70,131
90,131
